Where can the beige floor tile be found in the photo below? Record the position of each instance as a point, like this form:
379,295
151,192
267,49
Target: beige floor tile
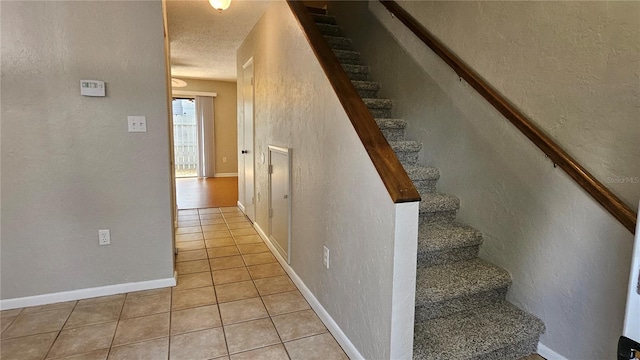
266,270
229,209
273,285
96,300
211,216
318,347
198,345
190,267
212,221
233,213
259,258
191,255
226,263
142,329
209,211
10,313
166,290
6,321
188,223
211,243
94,314
273,352
285,302
83,339
188,212
198,318
243,232
236,291
239,219
297,325
184,299
188,230
180,238
188,218
26,348
251,335
37,323
223,251
190,245
217,234
230,275
242,310
147,305
215,227
191,281
253,248
153,349
251,239
56,306
240,225
91,355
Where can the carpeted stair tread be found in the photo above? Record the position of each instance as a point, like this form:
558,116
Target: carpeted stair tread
384,123
339,42
477,334
435,202
366,85
420,173
355,69
447,235
330,29
323,19
378,103
459,279
347,56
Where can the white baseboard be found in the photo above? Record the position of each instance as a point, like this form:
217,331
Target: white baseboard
549,354
328,321
240,206
225,175
80,294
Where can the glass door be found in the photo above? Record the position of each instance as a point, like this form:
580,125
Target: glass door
185,137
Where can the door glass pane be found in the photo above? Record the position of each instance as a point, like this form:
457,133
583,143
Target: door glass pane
185,137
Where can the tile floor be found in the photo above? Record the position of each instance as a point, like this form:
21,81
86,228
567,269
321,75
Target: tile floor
233,301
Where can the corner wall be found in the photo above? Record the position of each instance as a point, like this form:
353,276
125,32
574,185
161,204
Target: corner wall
225,116
69,166
568,257
338,199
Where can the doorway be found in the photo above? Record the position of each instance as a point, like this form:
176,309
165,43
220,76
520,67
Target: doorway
185,138
246,158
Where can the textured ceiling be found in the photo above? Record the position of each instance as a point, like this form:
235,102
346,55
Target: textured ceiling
204,41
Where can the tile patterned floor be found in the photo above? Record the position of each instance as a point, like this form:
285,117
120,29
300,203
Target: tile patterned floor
233,301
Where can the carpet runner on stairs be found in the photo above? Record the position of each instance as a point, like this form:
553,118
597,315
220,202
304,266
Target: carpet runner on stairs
461,311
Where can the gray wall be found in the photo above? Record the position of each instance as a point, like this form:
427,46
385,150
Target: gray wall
338,199
68,165
568,257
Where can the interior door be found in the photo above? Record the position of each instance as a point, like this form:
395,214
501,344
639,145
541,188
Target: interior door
247,153
280,200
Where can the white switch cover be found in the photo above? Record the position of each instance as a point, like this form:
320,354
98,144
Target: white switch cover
137,123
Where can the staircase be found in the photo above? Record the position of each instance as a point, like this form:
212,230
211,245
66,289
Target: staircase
461,311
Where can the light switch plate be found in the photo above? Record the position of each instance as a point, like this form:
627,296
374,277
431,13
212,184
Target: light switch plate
137,123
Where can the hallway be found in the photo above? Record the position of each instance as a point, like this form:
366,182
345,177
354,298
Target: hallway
232,299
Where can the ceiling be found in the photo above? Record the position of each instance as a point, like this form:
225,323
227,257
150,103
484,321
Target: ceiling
204,41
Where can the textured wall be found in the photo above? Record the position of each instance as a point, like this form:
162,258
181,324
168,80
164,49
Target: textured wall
568,257
225,115
69,167
338,199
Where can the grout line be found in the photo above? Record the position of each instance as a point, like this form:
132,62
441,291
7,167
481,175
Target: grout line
59,331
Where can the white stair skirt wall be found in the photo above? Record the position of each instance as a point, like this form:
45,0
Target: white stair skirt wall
80,294
632,314
205,120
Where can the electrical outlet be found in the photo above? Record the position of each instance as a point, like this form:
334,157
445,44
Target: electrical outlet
325,257
104,237
137,123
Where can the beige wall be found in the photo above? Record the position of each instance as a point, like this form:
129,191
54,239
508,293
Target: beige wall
337,198
68,165
568,257
225,117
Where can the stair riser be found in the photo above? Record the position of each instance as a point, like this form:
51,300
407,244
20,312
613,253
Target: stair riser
350,61
393,134
513,352
407,158
368,93
435,217
340,44
447,256
445,308
380,113
357,76
323,19
425,186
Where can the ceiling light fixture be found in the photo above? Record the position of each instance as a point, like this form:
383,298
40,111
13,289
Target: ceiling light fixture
220,4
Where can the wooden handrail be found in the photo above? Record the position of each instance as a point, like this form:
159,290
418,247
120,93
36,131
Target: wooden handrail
577,172
393,175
